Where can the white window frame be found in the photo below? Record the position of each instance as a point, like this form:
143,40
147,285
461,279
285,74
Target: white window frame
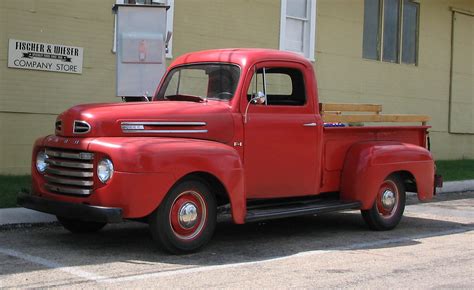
311,26
169,27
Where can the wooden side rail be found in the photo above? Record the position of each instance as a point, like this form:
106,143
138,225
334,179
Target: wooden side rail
327,107
334,113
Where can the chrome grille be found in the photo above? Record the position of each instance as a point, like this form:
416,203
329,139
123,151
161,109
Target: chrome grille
81,127
69,172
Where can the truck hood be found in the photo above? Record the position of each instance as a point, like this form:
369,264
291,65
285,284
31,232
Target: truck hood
208,120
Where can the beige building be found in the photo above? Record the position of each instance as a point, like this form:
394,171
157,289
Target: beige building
411,56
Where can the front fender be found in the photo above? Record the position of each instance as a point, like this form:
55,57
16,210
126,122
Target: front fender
367,164
177,157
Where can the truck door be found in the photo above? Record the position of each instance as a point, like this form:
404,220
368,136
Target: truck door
280,133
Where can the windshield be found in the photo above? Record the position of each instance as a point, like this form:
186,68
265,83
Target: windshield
200,82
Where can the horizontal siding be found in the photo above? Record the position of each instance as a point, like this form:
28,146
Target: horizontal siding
343,76
87,24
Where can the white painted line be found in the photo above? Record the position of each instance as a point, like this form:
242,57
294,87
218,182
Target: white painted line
302,254
53,265
102,279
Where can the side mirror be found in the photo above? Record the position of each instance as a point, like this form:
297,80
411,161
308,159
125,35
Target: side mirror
258,99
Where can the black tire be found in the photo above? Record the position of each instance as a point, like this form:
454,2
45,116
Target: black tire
186,219
383,217
80,227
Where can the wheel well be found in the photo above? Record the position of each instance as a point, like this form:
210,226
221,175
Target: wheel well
216,186
408,180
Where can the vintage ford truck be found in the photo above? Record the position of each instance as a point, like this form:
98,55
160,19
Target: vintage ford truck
234,131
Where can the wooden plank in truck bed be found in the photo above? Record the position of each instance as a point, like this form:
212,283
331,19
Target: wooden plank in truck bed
331,118
334,113
326,107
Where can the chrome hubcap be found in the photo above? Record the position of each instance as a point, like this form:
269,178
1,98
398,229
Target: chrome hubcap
388,199
188,215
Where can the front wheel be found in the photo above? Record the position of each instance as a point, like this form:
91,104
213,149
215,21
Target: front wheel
186,219
388,207
78,226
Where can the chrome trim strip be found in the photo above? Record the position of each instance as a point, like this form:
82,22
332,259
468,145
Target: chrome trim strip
166,131
83,123
68,181
69,164
61,189
128,127
166,123
69,172
70,155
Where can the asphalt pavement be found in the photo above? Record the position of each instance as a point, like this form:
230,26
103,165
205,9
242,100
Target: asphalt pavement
433,247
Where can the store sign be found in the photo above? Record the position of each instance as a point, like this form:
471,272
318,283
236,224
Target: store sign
44,56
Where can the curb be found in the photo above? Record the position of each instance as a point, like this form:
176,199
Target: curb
16,216
456,186
22,216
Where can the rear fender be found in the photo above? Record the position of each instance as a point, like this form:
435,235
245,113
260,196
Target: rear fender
367,164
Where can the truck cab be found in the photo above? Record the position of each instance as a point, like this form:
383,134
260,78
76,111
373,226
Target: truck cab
234,131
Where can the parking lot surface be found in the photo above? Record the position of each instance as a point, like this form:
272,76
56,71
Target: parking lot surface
432,247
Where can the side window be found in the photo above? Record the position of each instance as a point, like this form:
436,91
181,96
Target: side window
281,86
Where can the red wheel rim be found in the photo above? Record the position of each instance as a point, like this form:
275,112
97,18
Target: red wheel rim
188,215
387,199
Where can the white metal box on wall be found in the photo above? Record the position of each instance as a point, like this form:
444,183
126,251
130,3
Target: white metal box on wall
140,48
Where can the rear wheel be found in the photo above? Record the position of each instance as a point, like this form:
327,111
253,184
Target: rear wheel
388,207
78,226
186,219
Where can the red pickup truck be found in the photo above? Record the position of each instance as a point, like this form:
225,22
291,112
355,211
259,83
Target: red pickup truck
236,131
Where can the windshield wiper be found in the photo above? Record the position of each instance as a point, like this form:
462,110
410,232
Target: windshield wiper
189,98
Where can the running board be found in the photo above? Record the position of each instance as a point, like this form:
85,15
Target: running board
292,210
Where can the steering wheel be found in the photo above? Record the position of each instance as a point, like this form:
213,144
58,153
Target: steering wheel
224,93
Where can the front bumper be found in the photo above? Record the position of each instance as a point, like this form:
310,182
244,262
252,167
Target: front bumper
71,210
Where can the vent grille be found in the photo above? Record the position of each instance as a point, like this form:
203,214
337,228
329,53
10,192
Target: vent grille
81,127
69,172
58,125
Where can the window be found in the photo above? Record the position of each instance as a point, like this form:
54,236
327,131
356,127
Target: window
298,26
281,86
169,21
200,81
391,26
391,31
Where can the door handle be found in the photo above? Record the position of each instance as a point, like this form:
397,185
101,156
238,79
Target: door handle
310,125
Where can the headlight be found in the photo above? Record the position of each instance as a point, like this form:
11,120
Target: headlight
41,164
105,170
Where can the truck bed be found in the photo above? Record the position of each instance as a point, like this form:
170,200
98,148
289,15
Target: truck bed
338,140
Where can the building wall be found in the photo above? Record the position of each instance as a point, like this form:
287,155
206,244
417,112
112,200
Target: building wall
212,24
423,89
30,100
343,75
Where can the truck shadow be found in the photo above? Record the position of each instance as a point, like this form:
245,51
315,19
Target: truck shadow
131,243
